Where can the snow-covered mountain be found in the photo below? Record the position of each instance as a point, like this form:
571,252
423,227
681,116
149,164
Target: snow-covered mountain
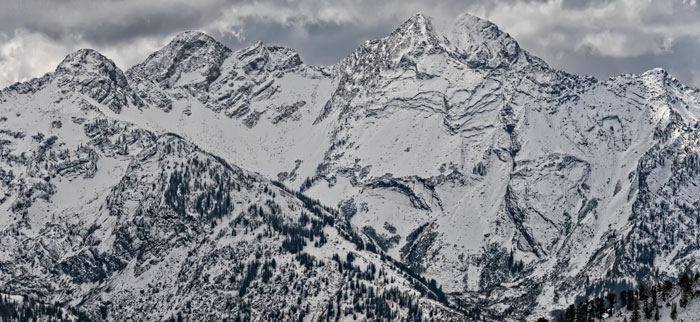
454,156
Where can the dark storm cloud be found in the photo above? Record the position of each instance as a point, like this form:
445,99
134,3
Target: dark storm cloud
138,25
583,4
598,37
103,22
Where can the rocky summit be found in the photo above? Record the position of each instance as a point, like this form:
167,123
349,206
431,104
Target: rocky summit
431,175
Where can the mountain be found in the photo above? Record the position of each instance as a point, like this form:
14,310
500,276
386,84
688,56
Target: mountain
428,175
121,222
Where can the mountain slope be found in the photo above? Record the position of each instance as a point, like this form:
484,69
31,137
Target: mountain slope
515,186
121,222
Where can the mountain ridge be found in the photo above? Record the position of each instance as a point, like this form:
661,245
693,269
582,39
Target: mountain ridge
514,186
465,19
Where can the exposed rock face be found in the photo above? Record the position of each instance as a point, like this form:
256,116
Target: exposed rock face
88,72
190,62
481,44
466,159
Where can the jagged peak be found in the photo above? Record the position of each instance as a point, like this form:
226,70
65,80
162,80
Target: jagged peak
658,79
195,41
88,72
84,60
268,57
187,45
414,37
84,52
189,51
81,65
87,64
260,47
661,76
418,24
255,49
658,72
193,35
481,43
415,33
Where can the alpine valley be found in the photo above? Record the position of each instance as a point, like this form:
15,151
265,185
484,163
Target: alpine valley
430,175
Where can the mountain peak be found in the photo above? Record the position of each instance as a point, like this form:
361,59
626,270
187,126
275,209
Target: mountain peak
190,52
91,73
418,20
196,39
192,34
417,28
253,49
414,37
656,73
482,44
192,43
85,60
259,56
660,85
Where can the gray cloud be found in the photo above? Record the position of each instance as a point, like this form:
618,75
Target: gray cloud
598,37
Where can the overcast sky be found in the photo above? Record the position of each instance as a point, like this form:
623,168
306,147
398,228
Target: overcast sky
602,38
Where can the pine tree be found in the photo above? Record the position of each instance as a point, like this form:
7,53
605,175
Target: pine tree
611,297
685,283
674,312
644,301
666,290
654,305
686,289
623,299
582,312
599,307
643,295
570,313
633,301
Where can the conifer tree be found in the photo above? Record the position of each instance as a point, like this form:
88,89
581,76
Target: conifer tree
599,307
611,298
633,302
674,312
